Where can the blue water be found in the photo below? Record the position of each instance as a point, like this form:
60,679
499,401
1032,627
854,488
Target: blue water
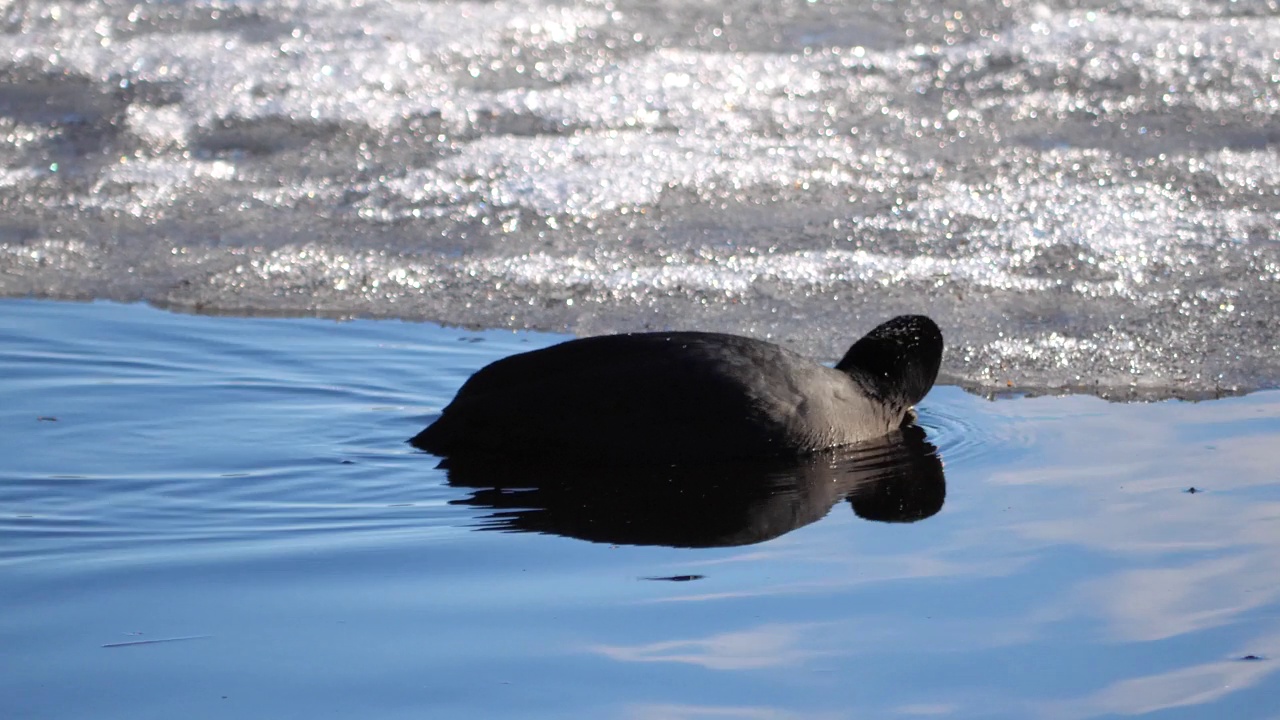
240,488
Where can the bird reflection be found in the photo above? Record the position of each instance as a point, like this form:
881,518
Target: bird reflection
898,478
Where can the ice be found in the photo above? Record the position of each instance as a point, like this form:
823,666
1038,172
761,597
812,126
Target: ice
1085,195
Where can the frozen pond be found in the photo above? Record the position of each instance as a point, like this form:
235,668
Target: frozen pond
212,517
1085,195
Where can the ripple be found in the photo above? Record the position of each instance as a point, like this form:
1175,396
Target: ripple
964,435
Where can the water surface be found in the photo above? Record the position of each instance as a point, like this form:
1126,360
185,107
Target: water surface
244,484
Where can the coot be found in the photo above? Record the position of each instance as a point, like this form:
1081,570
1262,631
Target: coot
680,396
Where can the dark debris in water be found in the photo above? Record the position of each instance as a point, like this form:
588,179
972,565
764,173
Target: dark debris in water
676,578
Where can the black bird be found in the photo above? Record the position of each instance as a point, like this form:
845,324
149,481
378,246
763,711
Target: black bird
654,398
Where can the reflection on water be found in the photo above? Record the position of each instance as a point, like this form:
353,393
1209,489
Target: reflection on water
895,479
246,481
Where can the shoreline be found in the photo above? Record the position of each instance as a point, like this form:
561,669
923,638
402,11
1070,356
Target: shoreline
1112,392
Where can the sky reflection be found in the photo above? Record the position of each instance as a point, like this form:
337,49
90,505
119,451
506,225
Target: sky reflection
765,646
339,574
1193,685
1067,541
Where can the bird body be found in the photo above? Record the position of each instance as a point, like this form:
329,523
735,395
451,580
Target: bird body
675,396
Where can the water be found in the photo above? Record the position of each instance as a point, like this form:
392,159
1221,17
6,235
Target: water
1086,195
218,517
240,489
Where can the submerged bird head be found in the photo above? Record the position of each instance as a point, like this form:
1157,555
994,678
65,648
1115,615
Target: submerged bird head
898,361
